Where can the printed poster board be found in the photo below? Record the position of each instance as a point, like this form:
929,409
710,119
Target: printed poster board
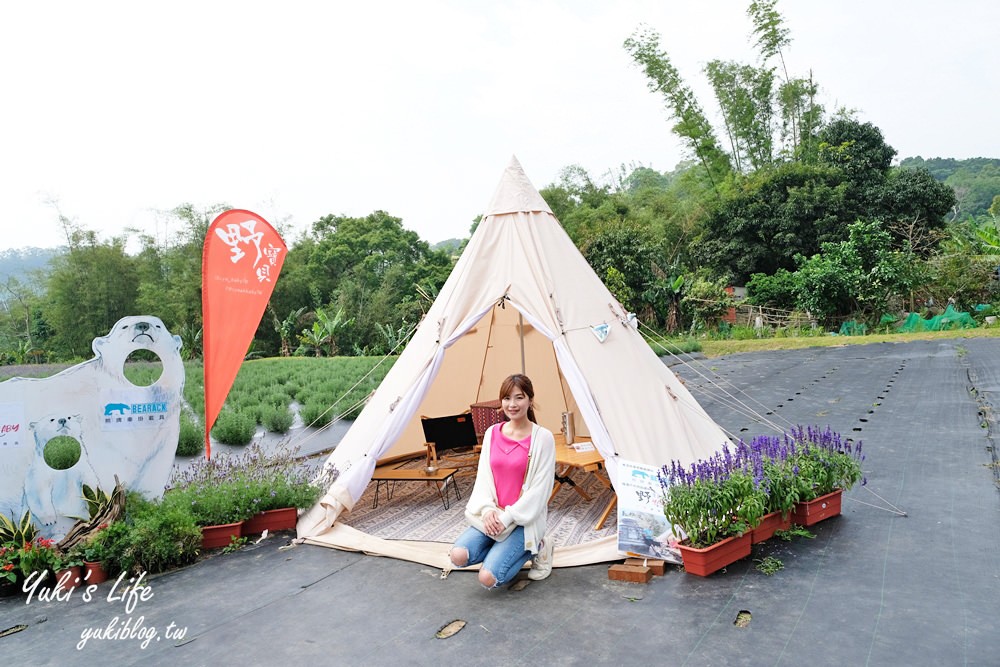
643,531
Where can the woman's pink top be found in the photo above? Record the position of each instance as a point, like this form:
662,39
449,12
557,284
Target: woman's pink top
508,462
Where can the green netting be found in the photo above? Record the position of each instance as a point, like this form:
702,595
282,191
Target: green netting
949,319
887,319
852,328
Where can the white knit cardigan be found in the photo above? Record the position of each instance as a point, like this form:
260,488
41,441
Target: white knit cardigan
531,508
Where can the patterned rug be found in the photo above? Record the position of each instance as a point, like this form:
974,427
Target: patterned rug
416,511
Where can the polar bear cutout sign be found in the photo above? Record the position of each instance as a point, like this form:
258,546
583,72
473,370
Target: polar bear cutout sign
123,430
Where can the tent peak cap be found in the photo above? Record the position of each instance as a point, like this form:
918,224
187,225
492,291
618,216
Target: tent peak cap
515,193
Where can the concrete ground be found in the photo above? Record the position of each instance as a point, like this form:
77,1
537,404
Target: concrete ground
873,588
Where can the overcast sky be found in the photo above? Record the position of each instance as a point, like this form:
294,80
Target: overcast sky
113,112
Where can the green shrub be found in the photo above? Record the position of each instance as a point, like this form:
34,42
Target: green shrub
112,546
663,345
278,419
316,414
255,411
745,333
209,505
163,539
320,380
234,428
151,537
191,440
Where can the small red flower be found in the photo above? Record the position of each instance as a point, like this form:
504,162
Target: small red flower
8,567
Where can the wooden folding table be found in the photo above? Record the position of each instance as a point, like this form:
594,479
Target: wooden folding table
590,462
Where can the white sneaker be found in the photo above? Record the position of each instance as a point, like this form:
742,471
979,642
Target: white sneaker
541,563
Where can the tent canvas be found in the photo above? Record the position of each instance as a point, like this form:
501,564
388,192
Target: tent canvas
520,298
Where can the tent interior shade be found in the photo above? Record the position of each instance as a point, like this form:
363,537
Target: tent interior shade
478,362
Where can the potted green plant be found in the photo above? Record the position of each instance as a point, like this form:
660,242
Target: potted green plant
715,503
70,572
770,454
824,466
94,553
277,496
40,558
215,505
214,510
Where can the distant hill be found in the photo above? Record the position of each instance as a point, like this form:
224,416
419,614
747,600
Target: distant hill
976,181
449,245
21,263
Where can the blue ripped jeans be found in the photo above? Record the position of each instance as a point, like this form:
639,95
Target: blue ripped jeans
501,559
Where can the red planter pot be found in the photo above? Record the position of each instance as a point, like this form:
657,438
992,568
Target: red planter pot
94,573
769,525
704,562
814,511
213,537
271,520
73,579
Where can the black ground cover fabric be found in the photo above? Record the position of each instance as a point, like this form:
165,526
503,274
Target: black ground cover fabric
872,588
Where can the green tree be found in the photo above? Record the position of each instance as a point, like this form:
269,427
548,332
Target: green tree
856,149
773,215
331,327
20,302
616,284
623,254
707,301
368,267
286,328
745,96
313,339
975,181
169,268
692,125
914,206
91,286
861,275
775,291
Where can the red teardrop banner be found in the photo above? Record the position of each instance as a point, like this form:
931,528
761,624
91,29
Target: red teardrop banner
241,261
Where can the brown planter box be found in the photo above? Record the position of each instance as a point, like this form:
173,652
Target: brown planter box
814,511
271,520
704,562
769,525
213,537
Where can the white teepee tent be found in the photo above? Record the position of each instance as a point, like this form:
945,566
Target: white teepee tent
520,294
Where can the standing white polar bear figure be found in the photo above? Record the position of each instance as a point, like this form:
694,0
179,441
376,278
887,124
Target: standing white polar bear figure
124,430
52,495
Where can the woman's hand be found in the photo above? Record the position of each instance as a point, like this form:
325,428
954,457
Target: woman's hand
492,523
